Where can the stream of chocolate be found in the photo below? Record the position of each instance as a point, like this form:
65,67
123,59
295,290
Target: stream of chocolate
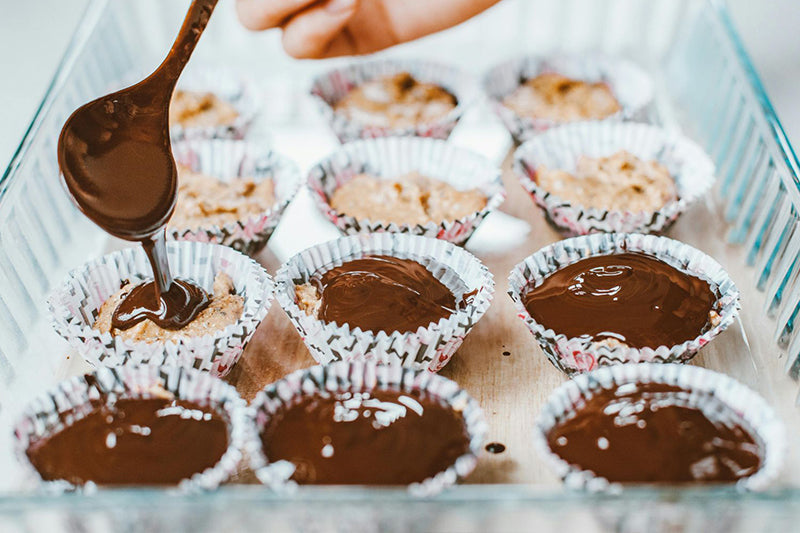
383,293
632,297
376,438
134,442
650,433
116,158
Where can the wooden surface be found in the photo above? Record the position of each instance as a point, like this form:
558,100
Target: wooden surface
512,388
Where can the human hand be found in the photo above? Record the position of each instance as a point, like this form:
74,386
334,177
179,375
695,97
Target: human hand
328,28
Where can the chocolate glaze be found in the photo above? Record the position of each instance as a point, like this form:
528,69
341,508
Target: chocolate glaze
133,442
632,297
651,433
383,293
116,159
377,438
183,301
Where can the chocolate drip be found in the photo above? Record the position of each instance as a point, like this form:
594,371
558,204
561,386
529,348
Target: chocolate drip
134,442
116,158
383,293
375,438
631,297
651,433
173,310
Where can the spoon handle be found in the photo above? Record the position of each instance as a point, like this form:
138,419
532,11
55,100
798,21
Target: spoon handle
193,25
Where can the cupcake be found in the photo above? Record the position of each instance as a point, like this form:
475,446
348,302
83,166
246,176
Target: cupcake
531,94
393,298
82,308
230,192
393,97
357,423
212,103
128,426
616,298
659,424
418,186
613,177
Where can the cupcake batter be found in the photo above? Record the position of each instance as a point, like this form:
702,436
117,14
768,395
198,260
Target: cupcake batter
225,307
397,100
192,109
559,98
205,201
408,199
620,182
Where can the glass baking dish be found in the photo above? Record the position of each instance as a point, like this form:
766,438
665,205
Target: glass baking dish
706,87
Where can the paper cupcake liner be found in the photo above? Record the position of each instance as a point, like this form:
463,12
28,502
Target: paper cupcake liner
332,86
72,400
75,305
631,86
581,354
562,146
228,85
705,385
429,347
360,376
225,160
394,156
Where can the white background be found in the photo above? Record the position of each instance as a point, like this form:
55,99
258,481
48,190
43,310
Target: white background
34,33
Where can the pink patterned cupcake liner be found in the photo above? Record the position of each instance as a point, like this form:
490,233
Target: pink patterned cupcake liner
390,157
429,347
582,354
708,389
560,148
333,85
631,86
228,159
364,376
73,399
75,305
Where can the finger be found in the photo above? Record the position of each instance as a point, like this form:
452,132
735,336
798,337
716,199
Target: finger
263,14
309,33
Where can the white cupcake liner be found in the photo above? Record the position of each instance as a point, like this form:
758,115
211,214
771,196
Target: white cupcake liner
72,400
560,148
228,85
361,376
332,86
581,354
391,157
755,415
429,347
75,305
228,159
631,85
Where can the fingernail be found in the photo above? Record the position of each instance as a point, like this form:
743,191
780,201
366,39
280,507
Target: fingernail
339,6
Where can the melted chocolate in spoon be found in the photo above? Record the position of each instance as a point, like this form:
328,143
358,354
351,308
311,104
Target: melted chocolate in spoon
116,158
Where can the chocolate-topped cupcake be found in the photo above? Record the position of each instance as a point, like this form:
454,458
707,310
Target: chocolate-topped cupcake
532,94
142,425
396,298
613,298
84,309
592,177
659,424
406,185
393,97
362,424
